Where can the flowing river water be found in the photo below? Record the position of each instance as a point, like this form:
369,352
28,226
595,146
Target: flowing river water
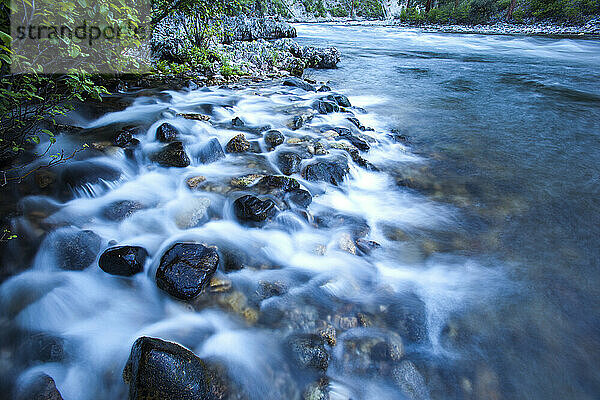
480,188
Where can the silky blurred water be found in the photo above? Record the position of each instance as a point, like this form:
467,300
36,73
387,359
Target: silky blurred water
511,128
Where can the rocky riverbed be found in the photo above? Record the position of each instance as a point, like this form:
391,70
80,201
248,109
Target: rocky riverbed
233,242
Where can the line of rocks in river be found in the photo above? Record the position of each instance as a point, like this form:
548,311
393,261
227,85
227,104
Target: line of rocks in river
188,271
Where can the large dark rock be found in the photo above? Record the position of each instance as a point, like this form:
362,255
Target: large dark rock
299,83
41,387
252,209
340,100
185,269
288,162
331,171
345,133
160,370
124,138
210,152
119,210
123,260
238,144
300,197
308,351
277,183
273,138
172,155
79,173
325,107
75,249
166,133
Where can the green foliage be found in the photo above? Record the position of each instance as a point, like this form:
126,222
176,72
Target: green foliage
564,10
315,7
339,11
371,9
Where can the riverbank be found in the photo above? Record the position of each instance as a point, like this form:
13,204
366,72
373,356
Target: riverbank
590,28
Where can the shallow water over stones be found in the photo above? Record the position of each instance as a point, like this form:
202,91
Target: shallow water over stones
323,283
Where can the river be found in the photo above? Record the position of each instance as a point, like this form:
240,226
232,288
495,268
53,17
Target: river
457,259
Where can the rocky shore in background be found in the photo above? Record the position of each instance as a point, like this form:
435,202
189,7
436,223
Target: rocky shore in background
249,46
548,28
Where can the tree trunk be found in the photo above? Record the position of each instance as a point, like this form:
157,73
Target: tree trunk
258,8
511,8
428,6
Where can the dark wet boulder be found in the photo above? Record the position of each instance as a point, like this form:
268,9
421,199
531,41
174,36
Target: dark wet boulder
238,144
359,143
171,155
300,197
407,314
299,83
237,121
124,138
123,260
331,171
340,100
157,369
252,209
296,123
356,225
210,152
79,173
324,88
325,107
166,133
75,249
274,138
41,387
273,183
119,210
288,162
185,269
367,246
308,351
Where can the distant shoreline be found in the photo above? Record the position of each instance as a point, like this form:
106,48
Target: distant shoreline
589,30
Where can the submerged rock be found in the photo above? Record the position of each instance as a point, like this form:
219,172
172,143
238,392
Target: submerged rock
238,144
76,250
296,123
272,183
410,380
41,387
166,133
210,152
172,155
157,369
191,212
251,208
273,138
299,83
288,162
79,173
308,351
123,260
300,197
185,269
119,210
407,314
330,171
